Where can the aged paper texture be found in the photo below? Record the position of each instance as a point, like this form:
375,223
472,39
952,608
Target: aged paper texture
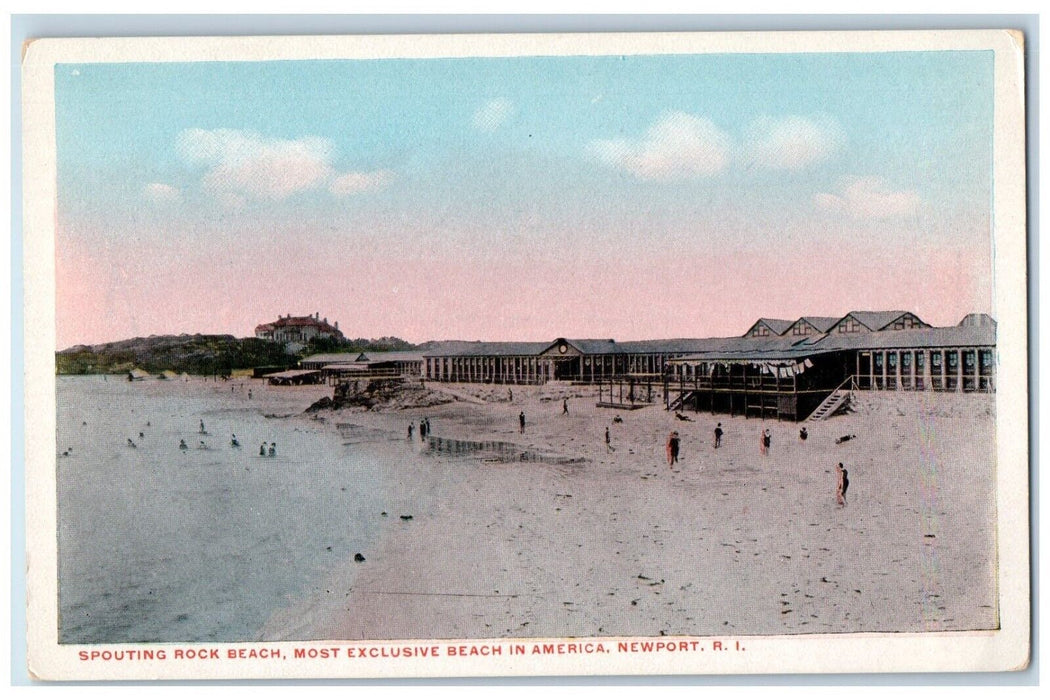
526,355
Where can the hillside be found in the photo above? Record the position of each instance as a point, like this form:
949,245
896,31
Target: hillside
194,354
201,354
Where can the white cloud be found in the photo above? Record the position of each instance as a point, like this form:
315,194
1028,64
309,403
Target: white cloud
869,198
246,162
493,114
792,142
678,145
161,193
353,183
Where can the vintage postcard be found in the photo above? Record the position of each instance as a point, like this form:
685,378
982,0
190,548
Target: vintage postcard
526,355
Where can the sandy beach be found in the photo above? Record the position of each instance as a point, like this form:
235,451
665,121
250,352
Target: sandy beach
602,540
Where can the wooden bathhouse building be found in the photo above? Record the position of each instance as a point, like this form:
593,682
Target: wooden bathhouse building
366,365
779,368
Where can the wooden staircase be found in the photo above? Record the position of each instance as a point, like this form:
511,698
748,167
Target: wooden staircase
831,405
680,401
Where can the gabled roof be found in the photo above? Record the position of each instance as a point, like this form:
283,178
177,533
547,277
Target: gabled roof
777,325
877,320
821,323
592,346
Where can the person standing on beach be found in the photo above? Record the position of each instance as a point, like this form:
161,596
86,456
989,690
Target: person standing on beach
203,431
608,440
842,486
411,427
565,407
510,394
273,449
672,449
262,450
718,436
521,421
803,434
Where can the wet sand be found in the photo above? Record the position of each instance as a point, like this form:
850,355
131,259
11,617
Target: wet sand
599,541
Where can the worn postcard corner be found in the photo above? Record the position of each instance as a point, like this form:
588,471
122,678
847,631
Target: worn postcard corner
526,355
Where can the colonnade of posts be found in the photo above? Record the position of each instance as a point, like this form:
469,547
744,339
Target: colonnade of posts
944,369
526,369
494,370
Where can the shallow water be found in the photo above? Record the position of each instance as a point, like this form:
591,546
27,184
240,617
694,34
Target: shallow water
492,451
160,544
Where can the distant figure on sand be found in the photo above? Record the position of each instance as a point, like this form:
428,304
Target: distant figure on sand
521,421
183,445
234,442
510,394
842,486
767,439
131,444
249,393
202,430
202,446
273,449
803,434
844,438
681,416
617,419
565,407
672,448
411,427
718,436
262,450
608,440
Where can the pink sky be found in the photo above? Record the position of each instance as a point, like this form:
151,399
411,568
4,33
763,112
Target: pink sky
135,289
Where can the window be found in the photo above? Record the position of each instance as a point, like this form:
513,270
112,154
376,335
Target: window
849,325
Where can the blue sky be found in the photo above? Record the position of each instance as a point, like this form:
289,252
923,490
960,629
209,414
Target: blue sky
543,169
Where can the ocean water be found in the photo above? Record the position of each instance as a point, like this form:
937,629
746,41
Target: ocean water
158,544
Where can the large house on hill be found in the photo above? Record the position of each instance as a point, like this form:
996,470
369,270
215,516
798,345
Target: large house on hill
296,331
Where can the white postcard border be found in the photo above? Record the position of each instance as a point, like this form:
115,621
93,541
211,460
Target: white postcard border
1005,649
